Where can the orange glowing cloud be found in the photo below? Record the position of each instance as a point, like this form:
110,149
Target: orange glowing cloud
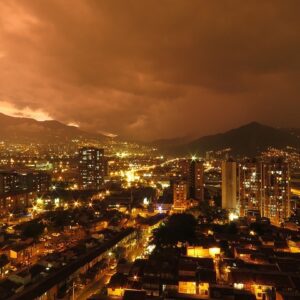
26,112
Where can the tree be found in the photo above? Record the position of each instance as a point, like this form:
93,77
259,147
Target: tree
232,228
179,228
260,229
33,229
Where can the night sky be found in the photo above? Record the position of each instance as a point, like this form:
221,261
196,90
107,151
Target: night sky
151,69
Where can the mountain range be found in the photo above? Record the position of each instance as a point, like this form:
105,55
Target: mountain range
15,129
249,140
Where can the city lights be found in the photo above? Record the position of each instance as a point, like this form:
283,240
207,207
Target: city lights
146,201
233,216
39,201
131,164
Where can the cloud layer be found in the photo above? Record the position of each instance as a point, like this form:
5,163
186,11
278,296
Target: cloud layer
152,69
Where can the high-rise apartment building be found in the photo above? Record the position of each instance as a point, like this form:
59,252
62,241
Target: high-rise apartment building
265,187
196,180
275,195
180,195
91,168
249,189
229,185
13,181
192,170
18,188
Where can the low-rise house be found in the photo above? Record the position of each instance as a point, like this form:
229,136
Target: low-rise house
22,252
245,253
187,285
8,288
206,278
294,245
4,265
196,275
152,285
227,292
117,285
98,225
23,277
262,284
36,272
267,240
202,252
288,266
134,295
187,268
51,261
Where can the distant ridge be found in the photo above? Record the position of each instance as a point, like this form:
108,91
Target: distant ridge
249,140
15,129
165,144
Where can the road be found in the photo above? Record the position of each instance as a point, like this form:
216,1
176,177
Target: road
94,287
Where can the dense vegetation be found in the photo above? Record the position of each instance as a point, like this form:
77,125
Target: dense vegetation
178,228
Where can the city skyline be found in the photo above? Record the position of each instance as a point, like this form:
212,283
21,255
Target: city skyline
147,71
149,150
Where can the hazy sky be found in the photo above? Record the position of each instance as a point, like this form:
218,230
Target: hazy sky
151,69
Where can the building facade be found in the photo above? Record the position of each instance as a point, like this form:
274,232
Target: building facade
265,187
91,168
250,184
275,195
196,180
19,188
192,170
180,195
229,185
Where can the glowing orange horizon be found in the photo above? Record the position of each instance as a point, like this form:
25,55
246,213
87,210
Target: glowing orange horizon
26,112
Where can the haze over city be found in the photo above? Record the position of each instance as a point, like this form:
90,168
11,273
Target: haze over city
145,71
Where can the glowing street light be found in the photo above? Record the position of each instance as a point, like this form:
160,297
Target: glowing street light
39,201
146,201
233,216
56,202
